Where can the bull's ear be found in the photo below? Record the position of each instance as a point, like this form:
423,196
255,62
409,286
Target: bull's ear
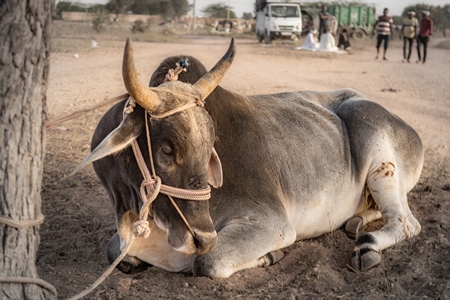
215,170
120,138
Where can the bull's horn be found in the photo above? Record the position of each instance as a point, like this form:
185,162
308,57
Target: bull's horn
210,80
143,96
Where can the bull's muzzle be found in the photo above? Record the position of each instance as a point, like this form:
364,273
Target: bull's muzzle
201,243
204,241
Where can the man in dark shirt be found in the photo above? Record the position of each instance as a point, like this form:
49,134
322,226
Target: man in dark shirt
426,30
324,20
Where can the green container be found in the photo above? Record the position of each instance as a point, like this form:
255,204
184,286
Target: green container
354,16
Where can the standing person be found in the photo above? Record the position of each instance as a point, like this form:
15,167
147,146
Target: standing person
324,20
409,31
383,27
426,30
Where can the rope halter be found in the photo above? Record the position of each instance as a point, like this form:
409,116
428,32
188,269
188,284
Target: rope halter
151,186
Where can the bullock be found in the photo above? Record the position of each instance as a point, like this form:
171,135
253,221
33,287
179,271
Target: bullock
283,167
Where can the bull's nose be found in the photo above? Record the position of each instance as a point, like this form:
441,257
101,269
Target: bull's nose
205,241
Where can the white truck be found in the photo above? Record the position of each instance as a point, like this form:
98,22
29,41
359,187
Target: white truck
280,19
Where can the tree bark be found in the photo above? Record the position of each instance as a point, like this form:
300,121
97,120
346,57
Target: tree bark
24,65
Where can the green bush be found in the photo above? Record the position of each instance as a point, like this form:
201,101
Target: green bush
100,20
138,26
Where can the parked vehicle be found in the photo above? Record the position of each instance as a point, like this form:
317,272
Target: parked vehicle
280,19
358,19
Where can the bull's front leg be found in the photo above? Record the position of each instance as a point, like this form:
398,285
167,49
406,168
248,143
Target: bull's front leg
245,243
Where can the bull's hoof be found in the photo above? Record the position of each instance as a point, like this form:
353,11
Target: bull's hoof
132,265
364,259
272,258
365,255
354,227
129,264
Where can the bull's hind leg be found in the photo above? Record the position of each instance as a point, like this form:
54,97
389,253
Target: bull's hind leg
389,193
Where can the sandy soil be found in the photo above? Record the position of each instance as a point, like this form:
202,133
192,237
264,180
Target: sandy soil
79,221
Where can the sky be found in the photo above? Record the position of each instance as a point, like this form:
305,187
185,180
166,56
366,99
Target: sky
240,6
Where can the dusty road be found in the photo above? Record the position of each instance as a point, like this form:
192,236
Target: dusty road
418,93
79,221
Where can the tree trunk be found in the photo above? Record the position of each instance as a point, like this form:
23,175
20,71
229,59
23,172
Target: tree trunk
24,65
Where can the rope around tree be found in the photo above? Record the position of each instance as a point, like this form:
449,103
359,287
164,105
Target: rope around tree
27,280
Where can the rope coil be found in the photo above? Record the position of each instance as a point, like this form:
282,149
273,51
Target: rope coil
141,228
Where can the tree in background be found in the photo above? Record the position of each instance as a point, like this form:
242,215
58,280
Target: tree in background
101,18
247,16
169,9
439,14
219,11
181,7
118,7
77,7
166,10
68,6
145,7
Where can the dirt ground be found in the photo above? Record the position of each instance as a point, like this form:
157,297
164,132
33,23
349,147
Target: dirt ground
79,221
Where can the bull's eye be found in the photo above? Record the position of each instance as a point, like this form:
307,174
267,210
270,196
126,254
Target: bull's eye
166,149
